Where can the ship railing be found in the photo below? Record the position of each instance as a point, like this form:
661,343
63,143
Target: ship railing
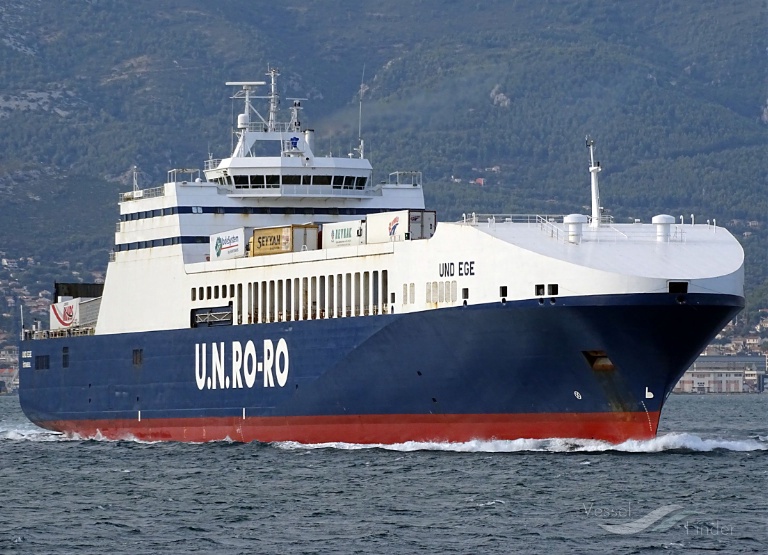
533,219
211,318
553,226
54,334
212,164
142,193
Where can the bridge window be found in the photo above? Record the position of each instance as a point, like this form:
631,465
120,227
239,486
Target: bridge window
349,182
306,180
291,180
257,181
273,181
338,181
321,180
360,182
241,181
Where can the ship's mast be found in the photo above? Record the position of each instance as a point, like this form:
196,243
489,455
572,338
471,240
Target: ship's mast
361,143
594,169
274,99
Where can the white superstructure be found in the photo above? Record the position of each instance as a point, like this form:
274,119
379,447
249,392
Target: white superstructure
163,276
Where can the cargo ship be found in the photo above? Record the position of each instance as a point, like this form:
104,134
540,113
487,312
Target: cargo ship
280,294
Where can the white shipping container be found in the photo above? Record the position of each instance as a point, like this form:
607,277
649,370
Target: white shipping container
402,225
343,234
65,314
304,237
227,244
386,226
422,224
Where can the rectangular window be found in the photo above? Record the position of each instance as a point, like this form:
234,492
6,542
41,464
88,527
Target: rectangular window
454,291
375,283
273,181
465,293
321,297
240,303
321,180
441,292
271,300
208,293
348,295
215,291
552,289
385,288
405,293
413,293
291,180
503,291
360,182
349,182
296,298
288,296
255,306
138,357
338,181
257,181
678,287
65,357
42,362
313,296
539,289
429,292
194,294
357,293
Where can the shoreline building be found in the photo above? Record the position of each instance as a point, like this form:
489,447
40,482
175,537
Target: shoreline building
724,374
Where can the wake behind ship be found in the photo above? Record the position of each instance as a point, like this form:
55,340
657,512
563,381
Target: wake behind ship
283,295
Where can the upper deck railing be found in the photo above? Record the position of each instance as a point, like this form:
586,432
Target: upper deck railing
142,193
554,227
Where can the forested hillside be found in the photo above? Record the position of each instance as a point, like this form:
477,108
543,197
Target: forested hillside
500,92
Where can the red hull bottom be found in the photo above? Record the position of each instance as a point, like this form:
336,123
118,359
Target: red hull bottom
385,429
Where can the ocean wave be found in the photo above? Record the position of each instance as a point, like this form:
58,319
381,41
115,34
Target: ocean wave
30,434
669,442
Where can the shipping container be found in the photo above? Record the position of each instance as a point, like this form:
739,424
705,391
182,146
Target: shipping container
403,225
227,244
343,234
287,238
65,314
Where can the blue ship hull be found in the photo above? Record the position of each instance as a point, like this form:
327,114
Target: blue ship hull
596,367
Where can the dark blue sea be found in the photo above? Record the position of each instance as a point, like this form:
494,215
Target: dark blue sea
701,485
